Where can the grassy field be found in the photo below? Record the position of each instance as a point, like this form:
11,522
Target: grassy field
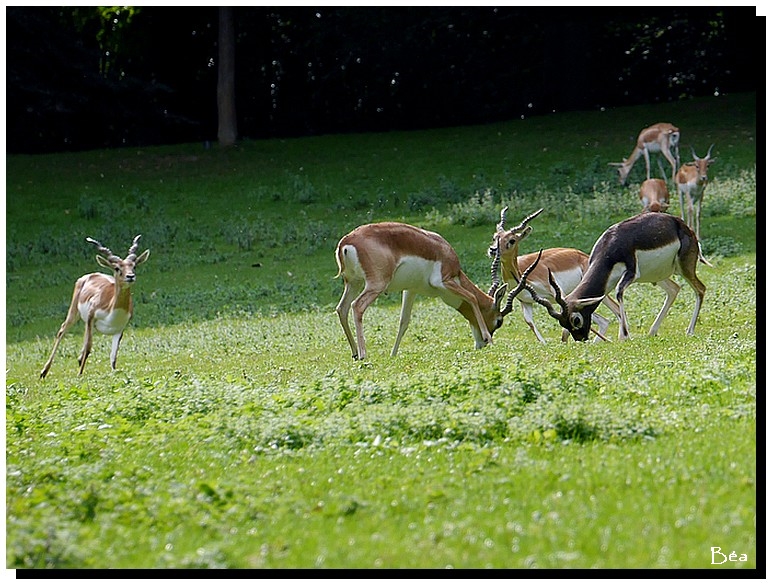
238,433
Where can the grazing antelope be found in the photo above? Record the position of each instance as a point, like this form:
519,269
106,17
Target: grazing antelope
102,301
649,247
692,178
390,257
654,195
661,138
567,266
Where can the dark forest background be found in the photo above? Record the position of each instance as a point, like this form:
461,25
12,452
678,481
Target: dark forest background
87,77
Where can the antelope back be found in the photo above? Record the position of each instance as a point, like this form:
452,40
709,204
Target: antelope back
654,195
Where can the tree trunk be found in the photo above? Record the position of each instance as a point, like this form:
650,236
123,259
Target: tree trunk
227,131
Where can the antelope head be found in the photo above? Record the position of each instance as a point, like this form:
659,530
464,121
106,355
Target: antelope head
510,239
575,316
521,286
702,164
123,269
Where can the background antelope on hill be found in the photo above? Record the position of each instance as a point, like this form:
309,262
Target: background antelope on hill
663,138
103,302
654,195
391,257
567,265
649,247
691,180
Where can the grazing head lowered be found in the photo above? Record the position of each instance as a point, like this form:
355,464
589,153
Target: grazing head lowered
393,257
567,266
650,247
663,138
654,195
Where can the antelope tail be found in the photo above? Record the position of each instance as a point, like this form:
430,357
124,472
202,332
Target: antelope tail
700,257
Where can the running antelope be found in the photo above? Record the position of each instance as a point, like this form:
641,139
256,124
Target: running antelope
660,138
692,178
390,257
102,301
654,195
649,247
567,266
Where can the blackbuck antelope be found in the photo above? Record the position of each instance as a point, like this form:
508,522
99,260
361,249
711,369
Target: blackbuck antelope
391,257
692,178
567,266
650,247
654,195
660,138
103,302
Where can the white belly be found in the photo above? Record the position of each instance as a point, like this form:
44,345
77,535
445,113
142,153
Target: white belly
653,147
657,265
418,275
651,266
104,322
423,277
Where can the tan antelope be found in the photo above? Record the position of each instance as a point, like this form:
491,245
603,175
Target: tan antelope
103,302
691,180
567,266
392,257
649,247
662,137
654,195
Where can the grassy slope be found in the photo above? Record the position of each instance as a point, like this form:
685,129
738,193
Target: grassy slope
284,204
238,433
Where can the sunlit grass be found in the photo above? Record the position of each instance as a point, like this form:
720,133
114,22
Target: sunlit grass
257,442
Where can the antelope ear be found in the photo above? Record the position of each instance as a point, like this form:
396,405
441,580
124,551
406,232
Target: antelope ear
102,261
582,303
142,257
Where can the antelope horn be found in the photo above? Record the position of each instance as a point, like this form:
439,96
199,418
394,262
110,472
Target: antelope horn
598,333
133,249
493,250
558,292
500,226
522,285
526,220
495,280
711,148
106,252
694,154
544,302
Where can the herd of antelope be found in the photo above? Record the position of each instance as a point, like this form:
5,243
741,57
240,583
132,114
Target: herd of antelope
650,247
395,257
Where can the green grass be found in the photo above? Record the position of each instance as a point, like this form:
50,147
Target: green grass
238,433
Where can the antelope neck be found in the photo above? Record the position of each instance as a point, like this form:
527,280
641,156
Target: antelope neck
122,298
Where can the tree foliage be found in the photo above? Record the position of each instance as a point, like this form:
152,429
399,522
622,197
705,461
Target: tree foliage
98,77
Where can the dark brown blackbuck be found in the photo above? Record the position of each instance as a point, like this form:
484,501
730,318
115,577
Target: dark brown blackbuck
103,302
663,138
393,257
650,247
567,266
691,180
